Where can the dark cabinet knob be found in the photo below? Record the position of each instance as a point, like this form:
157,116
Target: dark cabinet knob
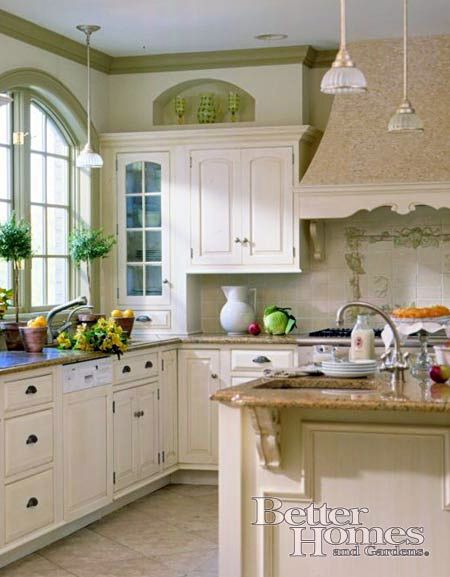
149,365
33,502
137,414
142,414
261,360
126,369
32,440
31,390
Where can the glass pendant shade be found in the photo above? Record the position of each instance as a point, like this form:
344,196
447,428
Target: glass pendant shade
343,80
343,76
405,119
5,99
88,158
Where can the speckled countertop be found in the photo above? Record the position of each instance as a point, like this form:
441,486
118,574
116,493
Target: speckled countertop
223,339
329,393
16,361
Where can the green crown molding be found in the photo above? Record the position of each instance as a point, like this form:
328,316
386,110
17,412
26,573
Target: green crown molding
216,59
41,37
31,33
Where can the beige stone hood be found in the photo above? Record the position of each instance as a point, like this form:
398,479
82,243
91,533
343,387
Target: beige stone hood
358,163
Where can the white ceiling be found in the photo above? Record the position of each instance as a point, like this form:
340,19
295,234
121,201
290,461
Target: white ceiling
196,25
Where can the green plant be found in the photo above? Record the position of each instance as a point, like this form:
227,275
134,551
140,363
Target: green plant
15,247
87,245
6,298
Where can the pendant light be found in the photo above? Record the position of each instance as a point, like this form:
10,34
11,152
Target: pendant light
343,76
405,118
88,158
5,99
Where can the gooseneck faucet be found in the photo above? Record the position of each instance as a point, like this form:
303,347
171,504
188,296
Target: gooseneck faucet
52,333
395,364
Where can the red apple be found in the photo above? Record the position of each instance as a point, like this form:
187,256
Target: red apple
253,329
439,373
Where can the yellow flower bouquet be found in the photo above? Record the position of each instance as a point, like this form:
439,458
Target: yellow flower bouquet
105,336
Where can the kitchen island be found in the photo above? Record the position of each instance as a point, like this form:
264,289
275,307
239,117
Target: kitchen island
342,481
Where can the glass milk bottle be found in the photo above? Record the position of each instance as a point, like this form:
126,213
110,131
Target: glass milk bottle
363,341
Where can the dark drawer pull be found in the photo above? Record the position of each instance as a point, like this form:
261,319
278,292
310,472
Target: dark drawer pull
126,369
31,390
144,319
33,502
149,365
32,440
261,360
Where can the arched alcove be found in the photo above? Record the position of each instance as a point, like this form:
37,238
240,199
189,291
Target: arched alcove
191,90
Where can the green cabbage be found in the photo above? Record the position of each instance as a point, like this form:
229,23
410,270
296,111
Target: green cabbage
278,321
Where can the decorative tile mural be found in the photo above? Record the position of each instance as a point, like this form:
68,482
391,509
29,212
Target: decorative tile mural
385,258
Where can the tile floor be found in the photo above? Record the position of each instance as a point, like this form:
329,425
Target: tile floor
170,533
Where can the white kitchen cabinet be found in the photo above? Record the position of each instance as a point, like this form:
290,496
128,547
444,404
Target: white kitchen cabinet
216,223
87,422
136,434
148,430
268,206
198,379
143,185
169,409
126,457
243,208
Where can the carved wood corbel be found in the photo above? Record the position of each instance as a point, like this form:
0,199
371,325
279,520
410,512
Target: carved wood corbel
266,424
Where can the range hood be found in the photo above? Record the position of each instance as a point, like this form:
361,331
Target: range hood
358,164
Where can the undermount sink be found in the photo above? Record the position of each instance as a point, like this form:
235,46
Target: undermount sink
319,383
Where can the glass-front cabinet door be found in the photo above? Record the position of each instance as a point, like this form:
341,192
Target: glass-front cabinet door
143,205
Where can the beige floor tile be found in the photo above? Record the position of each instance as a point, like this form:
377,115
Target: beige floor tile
211,534
193,490
34,566
88,546
189,561
142,567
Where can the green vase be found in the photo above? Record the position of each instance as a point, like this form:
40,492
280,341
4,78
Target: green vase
206,113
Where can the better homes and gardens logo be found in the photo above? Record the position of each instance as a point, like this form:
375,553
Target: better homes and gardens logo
320,531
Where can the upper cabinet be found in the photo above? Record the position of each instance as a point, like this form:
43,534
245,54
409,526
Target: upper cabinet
243,211
143,229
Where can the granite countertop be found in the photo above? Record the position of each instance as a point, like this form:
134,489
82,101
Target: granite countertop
330,393
223,339
16,361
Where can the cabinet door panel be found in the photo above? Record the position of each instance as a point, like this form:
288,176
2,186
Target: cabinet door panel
268,206
216,207
198,378
169,409
143,184
148,430
126,453
87,451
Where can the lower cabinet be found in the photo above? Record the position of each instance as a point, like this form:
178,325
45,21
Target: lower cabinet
87,418
169,409
198,379
136,434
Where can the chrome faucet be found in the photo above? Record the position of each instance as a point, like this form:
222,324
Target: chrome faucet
52,333
69,321
394,363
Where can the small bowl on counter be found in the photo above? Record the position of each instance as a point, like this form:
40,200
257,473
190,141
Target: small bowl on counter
89,319
442,354
34,338
126,323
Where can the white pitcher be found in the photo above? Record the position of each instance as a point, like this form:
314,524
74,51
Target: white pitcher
237,313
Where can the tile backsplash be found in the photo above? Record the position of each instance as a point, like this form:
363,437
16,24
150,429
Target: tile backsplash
385,258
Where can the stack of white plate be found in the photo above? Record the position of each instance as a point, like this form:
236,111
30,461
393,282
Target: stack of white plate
349,369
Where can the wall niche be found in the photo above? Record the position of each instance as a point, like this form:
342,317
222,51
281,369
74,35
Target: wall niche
164,112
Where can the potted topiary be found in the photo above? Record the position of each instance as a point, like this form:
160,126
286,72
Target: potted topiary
15,247
85,246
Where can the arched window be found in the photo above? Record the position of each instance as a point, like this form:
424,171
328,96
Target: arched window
37,182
